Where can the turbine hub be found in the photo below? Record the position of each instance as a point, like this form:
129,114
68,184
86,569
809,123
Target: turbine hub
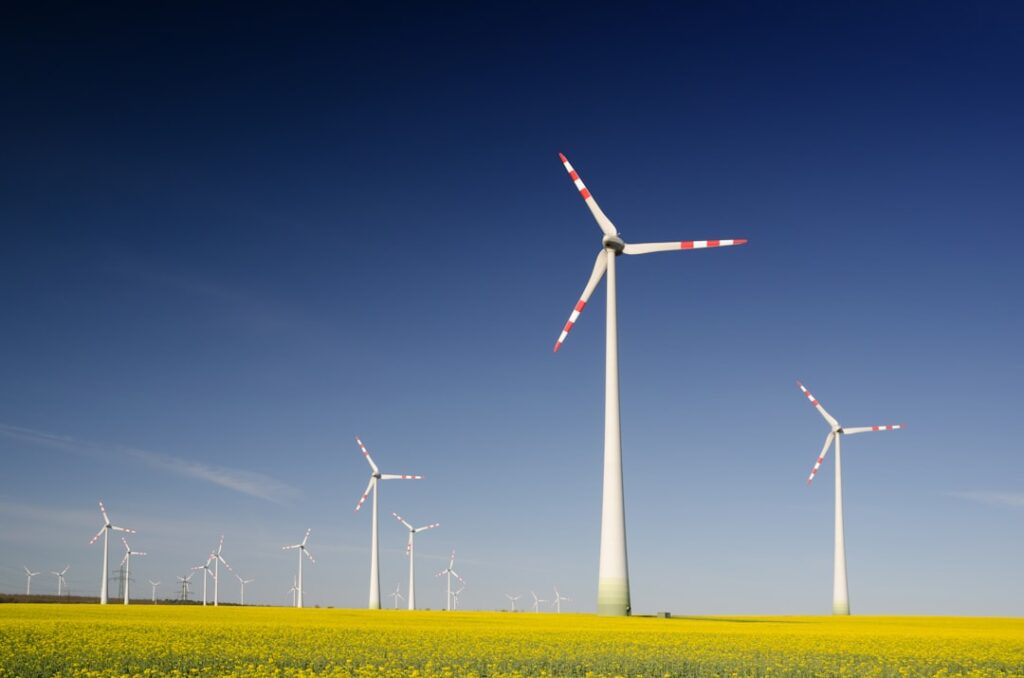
614,243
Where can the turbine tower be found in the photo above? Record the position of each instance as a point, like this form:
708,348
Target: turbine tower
840,589
375,476
127,562
397,594
28,578
242,583
558,600
61,582
207,572
513,599
217,560
450,571
410,550
154,584
301,546
105,531
613,571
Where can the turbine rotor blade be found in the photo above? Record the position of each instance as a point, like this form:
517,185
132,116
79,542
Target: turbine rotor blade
366,454
309,555
98,535
402,520
867,429
427,527
821,457
603,221
366,494
127,530
397,476
600,266
648,247
306,538
817,405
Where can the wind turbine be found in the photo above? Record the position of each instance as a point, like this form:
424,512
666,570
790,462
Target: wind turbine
207,572
294,590
513,599
217,560
60,579
154,584
450,570
127,562
558,600
840,589
105,531
301,546
28,575
455,597
410,550
613,572
242,583
397,594
537,601
186,586
374,477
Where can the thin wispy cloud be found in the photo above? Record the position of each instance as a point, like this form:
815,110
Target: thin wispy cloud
240,480
992,498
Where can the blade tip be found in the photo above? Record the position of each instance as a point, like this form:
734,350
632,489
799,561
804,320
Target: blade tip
561,156
740,241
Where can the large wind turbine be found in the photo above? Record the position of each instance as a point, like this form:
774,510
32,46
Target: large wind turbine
127,562
105,531
301,546
217,560
840,590
60,579
410,550
450,571
372,486
28,579
613,571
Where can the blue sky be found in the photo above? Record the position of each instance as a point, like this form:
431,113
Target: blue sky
233,241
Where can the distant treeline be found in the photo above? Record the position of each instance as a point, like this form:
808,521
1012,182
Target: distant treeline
22,598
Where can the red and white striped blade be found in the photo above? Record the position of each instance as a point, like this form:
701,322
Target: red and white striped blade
600,266
98,535
867,429
367,455
427,527
103,510
309,555
451,563
821,457
365,494
603,221
306,538
401,520
817,405
648,247
122,529
395,476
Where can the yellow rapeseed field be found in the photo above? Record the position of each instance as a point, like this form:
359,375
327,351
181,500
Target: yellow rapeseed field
147,640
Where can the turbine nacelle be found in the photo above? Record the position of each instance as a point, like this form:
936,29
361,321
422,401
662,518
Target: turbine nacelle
614,243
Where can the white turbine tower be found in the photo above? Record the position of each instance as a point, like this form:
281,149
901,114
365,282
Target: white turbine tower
840,590
127,562
558,600
217,560
105,531
28,576
207,572
242,583
154,584
410,550
301,546
61,582
513,599
376,475
613,572
397,594
450,571
537,601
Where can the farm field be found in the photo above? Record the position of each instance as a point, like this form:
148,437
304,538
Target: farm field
89,640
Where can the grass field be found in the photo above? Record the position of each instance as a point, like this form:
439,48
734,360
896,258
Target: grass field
89,640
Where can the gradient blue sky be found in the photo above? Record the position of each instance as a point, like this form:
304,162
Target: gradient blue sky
233,240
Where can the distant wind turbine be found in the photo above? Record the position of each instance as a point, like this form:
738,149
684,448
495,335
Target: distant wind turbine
301,546
28,576
513,599
242,583
105,531
840,589
397,594
613,573
154,584
455,597
60,579
186,586
207,572
537,601
410,550
450,571
217,560
558,600
127,562
375,476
